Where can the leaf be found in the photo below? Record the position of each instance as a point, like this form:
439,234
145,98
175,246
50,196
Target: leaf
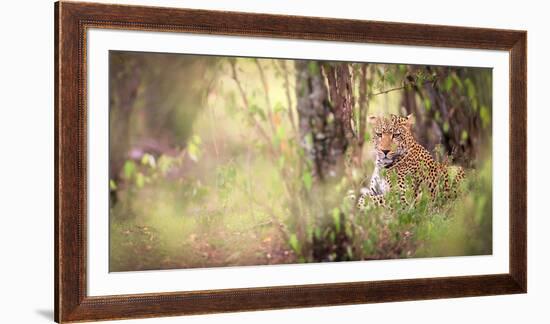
446,127
112,185
165,163
281,162
480,208
390,78
427,104
485,116
148,159
140,180
457,81
308,180
308,145
367,246
317,232
470,88
349,252
129,169
448,84
336,218
402,68
256,110
313,68
294,244
437,116
193,148
231,172
193,152
279,108
464,136
367,137
196,139
281,133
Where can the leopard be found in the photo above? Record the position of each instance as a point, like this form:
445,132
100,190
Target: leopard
400,156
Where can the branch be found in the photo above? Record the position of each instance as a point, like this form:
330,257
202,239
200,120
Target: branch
258,126
395,89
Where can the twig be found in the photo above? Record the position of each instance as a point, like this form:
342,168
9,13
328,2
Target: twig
288,97
266,95
363,111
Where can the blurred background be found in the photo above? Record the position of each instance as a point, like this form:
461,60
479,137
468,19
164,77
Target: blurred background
219,161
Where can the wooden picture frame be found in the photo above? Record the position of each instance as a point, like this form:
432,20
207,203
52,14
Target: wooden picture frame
72,20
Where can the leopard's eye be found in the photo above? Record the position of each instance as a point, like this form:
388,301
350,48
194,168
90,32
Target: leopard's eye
379,134
396,135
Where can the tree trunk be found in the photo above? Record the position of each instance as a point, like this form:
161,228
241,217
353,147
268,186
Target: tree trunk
325,114
363,110
325,103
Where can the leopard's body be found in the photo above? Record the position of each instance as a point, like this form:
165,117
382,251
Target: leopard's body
398,154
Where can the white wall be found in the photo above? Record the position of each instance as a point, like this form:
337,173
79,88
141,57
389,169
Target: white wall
26,160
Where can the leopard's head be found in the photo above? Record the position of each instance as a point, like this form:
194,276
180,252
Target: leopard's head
392,138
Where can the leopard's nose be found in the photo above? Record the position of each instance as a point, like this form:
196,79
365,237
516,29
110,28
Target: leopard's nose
385,152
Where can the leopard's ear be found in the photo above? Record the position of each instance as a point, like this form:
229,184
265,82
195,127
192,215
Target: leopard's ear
410,120
372,119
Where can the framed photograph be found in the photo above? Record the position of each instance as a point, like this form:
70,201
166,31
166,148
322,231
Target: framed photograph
212,161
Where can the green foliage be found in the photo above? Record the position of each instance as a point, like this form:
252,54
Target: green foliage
427,103
193,148
280,135
367,137
294,243
466,227
336,218
166,163
430,228
390,77
448,83
255,110
471,93
313,68
213,191
463,136
485,116
457,81
307,179
112,185
446,127
129,169
140,180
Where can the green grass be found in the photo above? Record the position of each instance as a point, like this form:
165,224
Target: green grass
167,224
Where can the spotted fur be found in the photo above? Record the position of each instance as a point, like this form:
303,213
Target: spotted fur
398,154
